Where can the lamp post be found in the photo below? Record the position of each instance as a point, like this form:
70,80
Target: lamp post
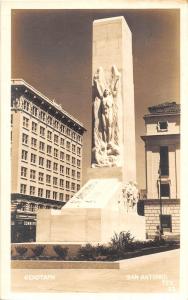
160,202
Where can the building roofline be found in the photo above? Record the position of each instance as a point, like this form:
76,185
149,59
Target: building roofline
147,116
20,81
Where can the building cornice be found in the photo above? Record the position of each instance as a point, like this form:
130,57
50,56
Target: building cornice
164,200
159,115
18,196
160,136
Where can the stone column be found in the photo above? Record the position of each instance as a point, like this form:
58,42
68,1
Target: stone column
112,70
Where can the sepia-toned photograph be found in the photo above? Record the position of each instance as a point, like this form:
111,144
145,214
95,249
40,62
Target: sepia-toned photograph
95,151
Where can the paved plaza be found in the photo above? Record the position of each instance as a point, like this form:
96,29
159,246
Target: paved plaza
153,273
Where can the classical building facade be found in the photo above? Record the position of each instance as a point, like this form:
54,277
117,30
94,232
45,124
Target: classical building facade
162,153
46,156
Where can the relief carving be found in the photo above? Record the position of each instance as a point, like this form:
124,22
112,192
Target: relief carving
106,140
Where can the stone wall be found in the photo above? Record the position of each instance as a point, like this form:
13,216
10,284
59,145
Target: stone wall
152,211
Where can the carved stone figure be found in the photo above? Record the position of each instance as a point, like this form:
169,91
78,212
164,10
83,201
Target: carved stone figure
130,196
105,118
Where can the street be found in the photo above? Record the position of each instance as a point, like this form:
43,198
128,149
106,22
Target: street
146,274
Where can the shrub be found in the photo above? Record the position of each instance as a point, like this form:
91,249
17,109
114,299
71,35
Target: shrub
21,250
38,250
61,251
122,241
87,252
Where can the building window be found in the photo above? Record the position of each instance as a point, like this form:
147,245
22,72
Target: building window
55,167
24,138
61,182
73,160
73,173
78,150
25,122
54,195
48,179
34,111
42,131
40,206
48,164
67,157
41,161
78,187
49,149
62,142
55,152
61,155
49,120
40,192
26,105
61,169
164,161
165,190
78,163
23,172
72,186
68,171
67,197
42,116
33,158
24,155
54,180
47,194
41,176
23,188
61,196
32,207
56,139
11,119
34,127
78,175
62,128
41,146
33,142
67,185
162,126
32,174
68,132
56,124
32,190
49,135
73,148
68,145
166,223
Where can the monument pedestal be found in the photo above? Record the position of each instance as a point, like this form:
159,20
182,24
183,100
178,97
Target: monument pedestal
93,215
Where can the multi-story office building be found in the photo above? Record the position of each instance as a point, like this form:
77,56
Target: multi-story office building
162,152
46,155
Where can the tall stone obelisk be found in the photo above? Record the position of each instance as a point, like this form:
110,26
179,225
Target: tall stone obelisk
113,143
105,205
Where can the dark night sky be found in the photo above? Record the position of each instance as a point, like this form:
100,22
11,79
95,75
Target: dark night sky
52,51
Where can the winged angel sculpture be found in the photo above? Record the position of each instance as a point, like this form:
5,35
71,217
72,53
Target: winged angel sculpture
106,139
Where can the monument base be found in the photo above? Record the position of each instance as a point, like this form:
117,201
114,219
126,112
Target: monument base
93,215
87,225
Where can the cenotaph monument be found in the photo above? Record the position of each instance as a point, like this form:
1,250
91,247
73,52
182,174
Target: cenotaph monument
107,202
